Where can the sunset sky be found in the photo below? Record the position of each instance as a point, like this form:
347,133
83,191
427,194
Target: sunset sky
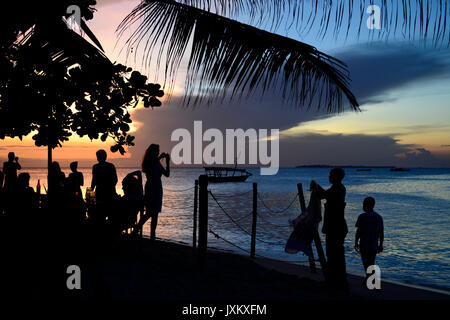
403,89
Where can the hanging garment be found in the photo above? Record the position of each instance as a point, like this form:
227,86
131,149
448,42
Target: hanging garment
305,225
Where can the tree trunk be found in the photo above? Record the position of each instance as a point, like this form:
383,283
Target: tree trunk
49,163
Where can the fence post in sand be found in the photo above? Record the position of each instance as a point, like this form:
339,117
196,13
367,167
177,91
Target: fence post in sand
203,219
255,213
301,198
194,235
318,243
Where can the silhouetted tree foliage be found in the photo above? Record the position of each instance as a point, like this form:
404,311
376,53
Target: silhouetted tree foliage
54,83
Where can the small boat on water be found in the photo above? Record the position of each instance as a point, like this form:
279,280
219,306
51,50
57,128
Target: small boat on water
399,169
364,169
224,174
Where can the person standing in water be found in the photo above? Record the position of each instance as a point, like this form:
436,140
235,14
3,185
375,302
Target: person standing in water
153,194
335,228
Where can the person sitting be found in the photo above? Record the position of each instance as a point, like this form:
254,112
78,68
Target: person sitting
129,206
25,199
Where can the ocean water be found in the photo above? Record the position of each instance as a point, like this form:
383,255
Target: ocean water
415,206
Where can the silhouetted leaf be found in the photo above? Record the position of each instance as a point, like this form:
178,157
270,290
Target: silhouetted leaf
104,137
154,102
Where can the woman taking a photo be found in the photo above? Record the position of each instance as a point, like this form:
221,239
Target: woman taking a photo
153,170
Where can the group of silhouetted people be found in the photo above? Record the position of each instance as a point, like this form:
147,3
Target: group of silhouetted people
369,234
17,198
60,228
65,203
123,211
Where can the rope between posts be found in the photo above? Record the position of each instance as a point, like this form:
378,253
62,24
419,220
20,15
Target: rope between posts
236,246
237,224
277,212
225,240
237,220
244,217
220,206
233,195
271,223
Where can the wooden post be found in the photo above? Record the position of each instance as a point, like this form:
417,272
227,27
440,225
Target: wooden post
318,243
203,219
194,235
255,214
301,198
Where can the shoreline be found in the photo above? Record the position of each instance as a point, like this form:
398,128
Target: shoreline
304,271
169,272
439,290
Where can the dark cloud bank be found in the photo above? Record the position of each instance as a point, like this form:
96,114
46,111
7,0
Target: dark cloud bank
375,71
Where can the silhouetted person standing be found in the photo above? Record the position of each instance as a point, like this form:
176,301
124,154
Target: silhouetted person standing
153,187
10,171
73,191
104,179
56,179
56,199
335,228
369,234
75,180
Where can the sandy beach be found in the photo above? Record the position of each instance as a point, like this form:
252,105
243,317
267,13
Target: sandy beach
169,272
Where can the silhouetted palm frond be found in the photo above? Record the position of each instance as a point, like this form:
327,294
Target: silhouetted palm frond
409,18
20,17
231,57
90,34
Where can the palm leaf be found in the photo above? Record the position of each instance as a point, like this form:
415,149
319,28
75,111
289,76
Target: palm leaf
62,45
231,58
411,19
90,34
